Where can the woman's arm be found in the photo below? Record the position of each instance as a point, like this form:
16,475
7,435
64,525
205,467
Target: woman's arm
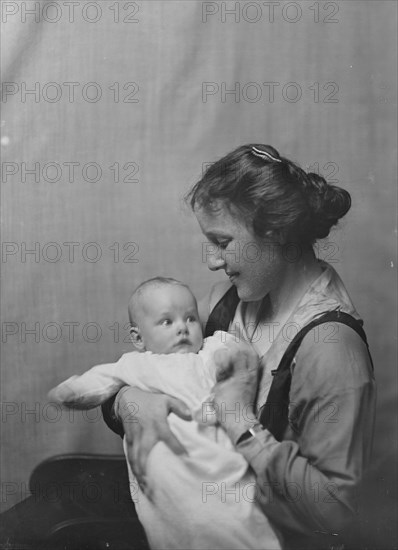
109,415
308,484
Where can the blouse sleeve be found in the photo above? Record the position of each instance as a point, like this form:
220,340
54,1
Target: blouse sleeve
308,483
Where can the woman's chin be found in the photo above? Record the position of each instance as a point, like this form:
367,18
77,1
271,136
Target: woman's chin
247,295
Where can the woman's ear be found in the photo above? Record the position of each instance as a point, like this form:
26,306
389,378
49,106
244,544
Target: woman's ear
136,338
277,236
274,236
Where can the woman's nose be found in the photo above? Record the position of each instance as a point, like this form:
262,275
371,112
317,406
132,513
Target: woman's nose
215,261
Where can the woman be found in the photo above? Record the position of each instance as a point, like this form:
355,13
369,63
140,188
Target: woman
308,437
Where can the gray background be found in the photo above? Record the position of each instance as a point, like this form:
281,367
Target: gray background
334,104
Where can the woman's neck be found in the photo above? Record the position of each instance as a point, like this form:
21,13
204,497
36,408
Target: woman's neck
294,280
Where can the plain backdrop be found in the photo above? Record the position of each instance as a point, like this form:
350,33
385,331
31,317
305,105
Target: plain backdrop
110,112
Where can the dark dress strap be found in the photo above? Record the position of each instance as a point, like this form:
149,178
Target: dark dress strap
274,414
223,312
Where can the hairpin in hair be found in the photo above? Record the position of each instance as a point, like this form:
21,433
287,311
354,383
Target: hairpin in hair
264,155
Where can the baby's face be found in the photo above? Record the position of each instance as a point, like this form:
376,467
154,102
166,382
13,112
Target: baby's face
169,320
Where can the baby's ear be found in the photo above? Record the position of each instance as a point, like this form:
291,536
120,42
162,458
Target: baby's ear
136,338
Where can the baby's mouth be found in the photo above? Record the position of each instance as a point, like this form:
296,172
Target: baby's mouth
183,342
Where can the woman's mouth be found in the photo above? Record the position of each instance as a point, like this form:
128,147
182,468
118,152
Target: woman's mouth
232,275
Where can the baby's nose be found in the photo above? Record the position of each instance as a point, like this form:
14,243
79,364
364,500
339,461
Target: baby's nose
182,328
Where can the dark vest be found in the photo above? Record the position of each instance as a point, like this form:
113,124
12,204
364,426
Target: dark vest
274,413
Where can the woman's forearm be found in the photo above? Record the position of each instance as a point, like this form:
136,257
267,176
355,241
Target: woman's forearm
294,493
309,484
109,413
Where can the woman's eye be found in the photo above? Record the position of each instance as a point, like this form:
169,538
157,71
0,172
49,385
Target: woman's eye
223,245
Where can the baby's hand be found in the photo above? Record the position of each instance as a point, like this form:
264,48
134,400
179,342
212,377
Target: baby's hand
237,379
64,394
61,394
236,353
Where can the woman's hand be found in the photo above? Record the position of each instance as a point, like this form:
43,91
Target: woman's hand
236,388
144,417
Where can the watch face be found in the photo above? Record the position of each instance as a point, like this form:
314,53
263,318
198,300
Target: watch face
251,432
256,429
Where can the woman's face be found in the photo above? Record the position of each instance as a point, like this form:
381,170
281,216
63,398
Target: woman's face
253,264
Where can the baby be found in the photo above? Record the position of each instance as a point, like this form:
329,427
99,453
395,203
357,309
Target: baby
205,500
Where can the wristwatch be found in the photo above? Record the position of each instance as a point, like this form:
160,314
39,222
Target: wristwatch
251,432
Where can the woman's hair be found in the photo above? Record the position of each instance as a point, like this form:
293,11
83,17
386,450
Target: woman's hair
274,193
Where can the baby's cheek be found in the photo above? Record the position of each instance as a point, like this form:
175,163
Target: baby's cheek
197,340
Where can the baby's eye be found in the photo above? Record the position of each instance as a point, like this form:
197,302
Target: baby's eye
166,322
191,319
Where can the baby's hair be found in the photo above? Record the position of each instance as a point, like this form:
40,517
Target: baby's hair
272,193
155,282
